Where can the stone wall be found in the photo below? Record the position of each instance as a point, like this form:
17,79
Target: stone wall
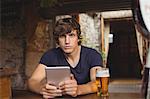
90,28
12,50
22,43
40,41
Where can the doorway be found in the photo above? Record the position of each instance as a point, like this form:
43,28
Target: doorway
123,56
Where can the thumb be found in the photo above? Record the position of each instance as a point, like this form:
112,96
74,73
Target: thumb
72,77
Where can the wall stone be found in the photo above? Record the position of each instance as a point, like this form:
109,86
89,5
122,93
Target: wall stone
90,28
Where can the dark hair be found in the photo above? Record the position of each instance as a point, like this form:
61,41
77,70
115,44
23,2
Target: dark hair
66,25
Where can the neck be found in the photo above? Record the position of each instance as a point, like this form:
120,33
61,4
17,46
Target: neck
75,53
74,57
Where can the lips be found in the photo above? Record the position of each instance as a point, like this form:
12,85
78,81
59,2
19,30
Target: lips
67,46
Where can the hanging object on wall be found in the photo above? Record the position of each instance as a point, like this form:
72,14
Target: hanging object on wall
40,39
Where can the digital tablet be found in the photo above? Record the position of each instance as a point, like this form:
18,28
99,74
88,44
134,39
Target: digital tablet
57,74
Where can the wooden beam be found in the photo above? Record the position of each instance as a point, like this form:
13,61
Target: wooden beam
117,14
85,6
102,40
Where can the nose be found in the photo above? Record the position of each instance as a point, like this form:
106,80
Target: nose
67,39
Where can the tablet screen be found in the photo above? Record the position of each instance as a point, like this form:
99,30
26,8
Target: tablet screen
57,74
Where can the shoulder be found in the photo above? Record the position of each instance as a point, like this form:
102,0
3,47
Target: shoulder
52,51
89,50
92,56
51,56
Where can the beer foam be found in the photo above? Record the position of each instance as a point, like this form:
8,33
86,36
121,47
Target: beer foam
103,73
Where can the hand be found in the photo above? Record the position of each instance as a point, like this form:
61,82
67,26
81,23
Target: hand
50,91
69,87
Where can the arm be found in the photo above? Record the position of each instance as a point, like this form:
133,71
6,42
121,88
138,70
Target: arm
37,83
90,87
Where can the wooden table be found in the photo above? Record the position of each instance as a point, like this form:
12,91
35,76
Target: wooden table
29,95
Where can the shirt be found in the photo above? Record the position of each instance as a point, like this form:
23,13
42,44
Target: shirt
88,58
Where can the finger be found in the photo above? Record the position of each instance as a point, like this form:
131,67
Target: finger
56,94
52,83
51,96
63,86
55,91
71,84
71,92
48,86
62,83
47,94
70,89
51,90
47,97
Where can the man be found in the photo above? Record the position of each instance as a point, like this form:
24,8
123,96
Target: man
83,62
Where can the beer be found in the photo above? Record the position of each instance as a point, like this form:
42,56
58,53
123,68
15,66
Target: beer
102,80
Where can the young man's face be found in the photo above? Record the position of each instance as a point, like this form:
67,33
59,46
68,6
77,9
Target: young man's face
68,42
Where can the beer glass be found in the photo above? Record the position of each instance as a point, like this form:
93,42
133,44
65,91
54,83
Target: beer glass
102,80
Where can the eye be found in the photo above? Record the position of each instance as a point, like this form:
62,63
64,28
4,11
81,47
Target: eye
62,36
72,35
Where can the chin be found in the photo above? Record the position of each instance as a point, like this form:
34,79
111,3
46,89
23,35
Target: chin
68,51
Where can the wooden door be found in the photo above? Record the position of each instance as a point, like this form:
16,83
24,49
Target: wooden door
123,58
